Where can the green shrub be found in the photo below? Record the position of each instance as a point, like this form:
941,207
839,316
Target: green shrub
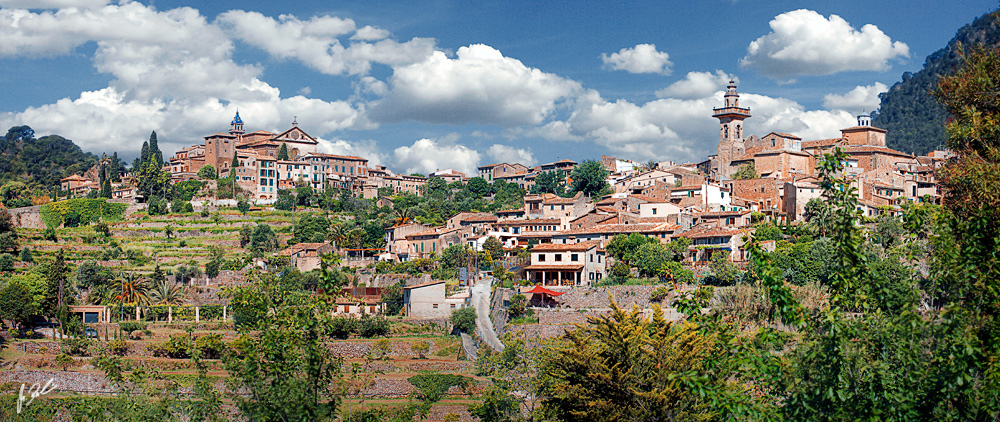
80,211
376,326
464,319
211,346
177,347
433,386
130,326
118,347
343,327
76,346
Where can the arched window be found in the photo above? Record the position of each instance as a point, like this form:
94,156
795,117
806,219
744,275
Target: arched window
725,132
739,131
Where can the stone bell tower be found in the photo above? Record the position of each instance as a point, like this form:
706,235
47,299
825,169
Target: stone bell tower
731,119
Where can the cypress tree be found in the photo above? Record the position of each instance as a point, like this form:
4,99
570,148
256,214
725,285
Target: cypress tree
144,155
236,162
154,151
283,152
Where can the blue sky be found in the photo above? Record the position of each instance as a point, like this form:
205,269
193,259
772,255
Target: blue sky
419,86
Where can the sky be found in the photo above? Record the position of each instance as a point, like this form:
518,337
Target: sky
422,86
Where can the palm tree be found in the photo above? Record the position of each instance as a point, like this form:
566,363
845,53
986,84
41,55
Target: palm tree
101,294
338,232
132,289
167,293
405,215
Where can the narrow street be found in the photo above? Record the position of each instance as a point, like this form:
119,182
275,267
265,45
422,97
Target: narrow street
480,298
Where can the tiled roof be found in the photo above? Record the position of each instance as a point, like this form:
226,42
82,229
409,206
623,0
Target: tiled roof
867,148
555,247
703,232
531,222
429,283
723,213
859,128
558,267
820,143
344,157
624,228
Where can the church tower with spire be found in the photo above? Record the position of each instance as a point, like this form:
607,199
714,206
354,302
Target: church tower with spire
731,119
236,127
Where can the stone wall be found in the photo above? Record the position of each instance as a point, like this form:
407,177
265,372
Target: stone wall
27,217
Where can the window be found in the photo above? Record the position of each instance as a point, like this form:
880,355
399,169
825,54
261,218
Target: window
541,257
598,259
558,257
591,258
563,207
435,306
452,306
574,257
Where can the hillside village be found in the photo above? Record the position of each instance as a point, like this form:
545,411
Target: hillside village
710,202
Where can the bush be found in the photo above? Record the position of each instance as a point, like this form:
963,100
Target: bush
211,346
6,262
63,361
343,327
204,213
370,326
518,305
420,347
177,347
118,347
464,319
50,234
130,326
659,294
433,386
76,346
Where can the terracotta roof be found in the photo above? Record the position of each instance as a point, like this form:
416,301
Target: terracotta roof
440,230
345,157
429,283
867,148
700,233
74,177
554,199
561,267
220,135
819,143
531,222
624,228
689,187
476,216
785,135
554,247
689,201
607,209
860,128
519,210
648,198
723,213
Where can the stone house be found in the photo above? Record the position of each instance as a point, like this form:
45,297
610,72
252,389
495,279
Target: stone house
567,265
430,300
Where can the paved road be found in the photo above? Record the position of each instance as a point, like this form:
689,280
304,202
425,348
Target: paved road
480,298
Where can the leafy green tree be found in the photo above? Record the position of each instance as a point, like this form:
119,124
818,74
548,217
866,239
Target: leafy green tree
310,229
464,319
494,247
392,297
510,372
650,257
6,262
286,200
624,247
8,233
263,240
456,256
26,256
241,205
623,366
208,172
590,177
550,182
15,194
283,152
767,230
284,363
16,304
746,171
217,258
478,187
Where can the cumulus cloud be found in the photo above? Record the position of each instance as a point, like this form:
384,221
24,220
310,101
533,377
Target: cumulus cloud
370,33
52,4
479,85
509,154
367,149
696,85
429,155
642,58
176,76
316,42
682,129
863,98
803,42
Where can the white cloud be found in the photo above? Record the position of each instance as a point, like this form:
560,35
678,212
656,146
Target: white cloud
642,58
176,76
861,98
370,33
366,149
315,41
305,90
803,42
509,154
429,155
696,85
52,4
480,85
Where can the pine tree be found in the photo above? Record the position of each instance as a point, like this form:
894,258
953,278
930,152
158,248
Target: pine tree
283,152
105,183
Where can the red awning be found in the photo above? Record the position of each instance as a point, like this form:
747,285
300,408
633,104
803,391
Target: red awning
542,290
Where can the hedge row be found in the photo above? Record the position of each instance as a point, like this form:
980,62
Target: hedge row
87,211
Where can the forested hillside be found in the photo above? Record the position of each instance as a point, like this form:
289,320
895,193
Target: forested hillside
40,162
914,119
